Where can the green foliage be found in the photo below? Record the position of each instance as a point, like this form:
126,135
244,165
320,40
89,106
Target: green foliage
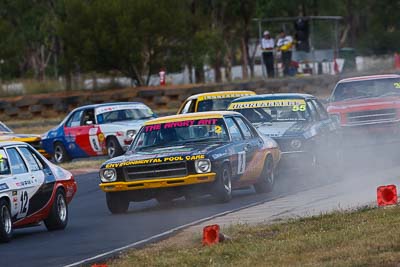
138,37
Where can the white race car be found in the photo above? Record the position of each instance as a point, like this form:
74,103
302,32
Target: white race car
93,130
32,190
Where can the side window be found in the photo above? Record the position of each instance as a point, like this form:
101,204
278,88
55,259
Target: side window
88,117
4,165
189,107
17,163
233,130
75,119
245,129
33,162
323,115
313,111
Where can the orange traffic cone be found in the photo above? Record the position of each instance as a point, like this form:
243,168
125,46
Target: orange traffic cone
387,195
211,234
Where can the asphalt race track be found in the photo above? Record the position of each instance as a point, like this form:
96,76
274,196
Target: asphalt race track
92,230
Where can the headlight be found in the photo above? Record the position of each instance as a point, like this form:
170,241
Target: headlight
130,133
202,165
296,144
108,175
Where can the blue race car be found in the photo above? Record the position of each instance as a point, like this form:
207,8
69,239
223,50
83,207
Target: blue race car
93,130
203,153
306,135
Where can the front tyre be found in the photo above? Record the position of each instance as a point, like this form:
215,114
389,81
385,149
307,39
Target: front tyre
113,147
58,217
267,180
60,153
6,229
223,185
117,203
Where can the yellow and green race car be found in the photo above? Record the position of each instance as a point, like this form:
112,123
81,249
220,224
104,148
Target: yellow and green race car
190,154
212,101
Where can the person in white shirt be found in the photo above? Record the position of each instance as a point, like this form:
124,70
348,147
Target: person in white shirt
267,47
284,44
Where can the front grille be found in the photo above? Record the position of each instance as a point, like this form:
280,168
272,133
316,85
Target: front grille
371,116
153,171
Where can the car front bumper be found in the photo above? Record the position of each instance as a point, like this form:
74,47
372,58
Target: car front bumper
158,183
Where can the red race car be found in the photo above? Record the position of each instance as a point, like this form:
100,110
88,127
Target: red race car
367,108
32,189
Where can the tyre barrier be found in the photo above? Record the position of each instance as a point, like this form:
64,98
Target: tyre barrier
162,99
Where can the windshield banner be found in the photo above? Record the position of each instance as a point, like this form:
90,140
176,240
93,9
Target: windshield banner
221,96
177,124
105,109
267,104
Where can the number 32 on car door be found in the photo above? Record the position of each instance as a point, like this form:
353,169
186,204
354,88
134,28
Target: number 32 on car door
241,162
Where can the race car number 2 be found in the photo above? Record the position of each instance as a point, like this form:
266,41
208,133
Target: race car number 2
241,162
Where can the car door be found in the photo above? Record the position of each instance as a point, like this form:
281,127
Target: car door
252,145
329,142
23,180
43,177
238,153
77,131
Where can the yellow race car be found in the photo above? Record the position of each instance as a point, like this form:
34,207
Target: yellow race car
6,134
212,101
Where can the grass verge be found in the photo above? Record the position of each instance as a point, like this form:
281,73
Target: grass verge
367,237
83,163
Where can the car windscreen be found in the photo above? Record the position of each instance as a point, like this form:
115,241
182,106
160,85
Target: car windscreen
272,110
214,104
180,132
124,115
366,89
4,129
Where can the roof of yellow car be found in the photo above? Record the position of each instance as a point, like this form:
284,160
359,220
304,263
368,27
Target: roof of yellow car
190,116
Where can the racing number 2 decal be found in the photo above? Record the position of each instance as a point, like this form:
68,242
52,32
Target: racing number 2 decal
241,162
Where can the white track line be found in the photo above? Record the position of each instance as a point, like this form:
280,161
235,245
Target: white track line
166,233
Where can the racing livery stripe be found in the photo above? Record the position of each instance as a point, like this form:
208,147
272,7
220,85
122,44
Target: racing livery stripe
41,198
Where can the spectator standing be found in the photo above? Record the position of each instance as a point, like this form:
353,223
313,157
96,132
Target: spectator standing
284,44
267,47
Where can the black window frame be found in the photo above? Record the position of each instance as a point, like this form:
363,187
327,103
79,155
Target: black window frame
237,119
313,110
322,113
